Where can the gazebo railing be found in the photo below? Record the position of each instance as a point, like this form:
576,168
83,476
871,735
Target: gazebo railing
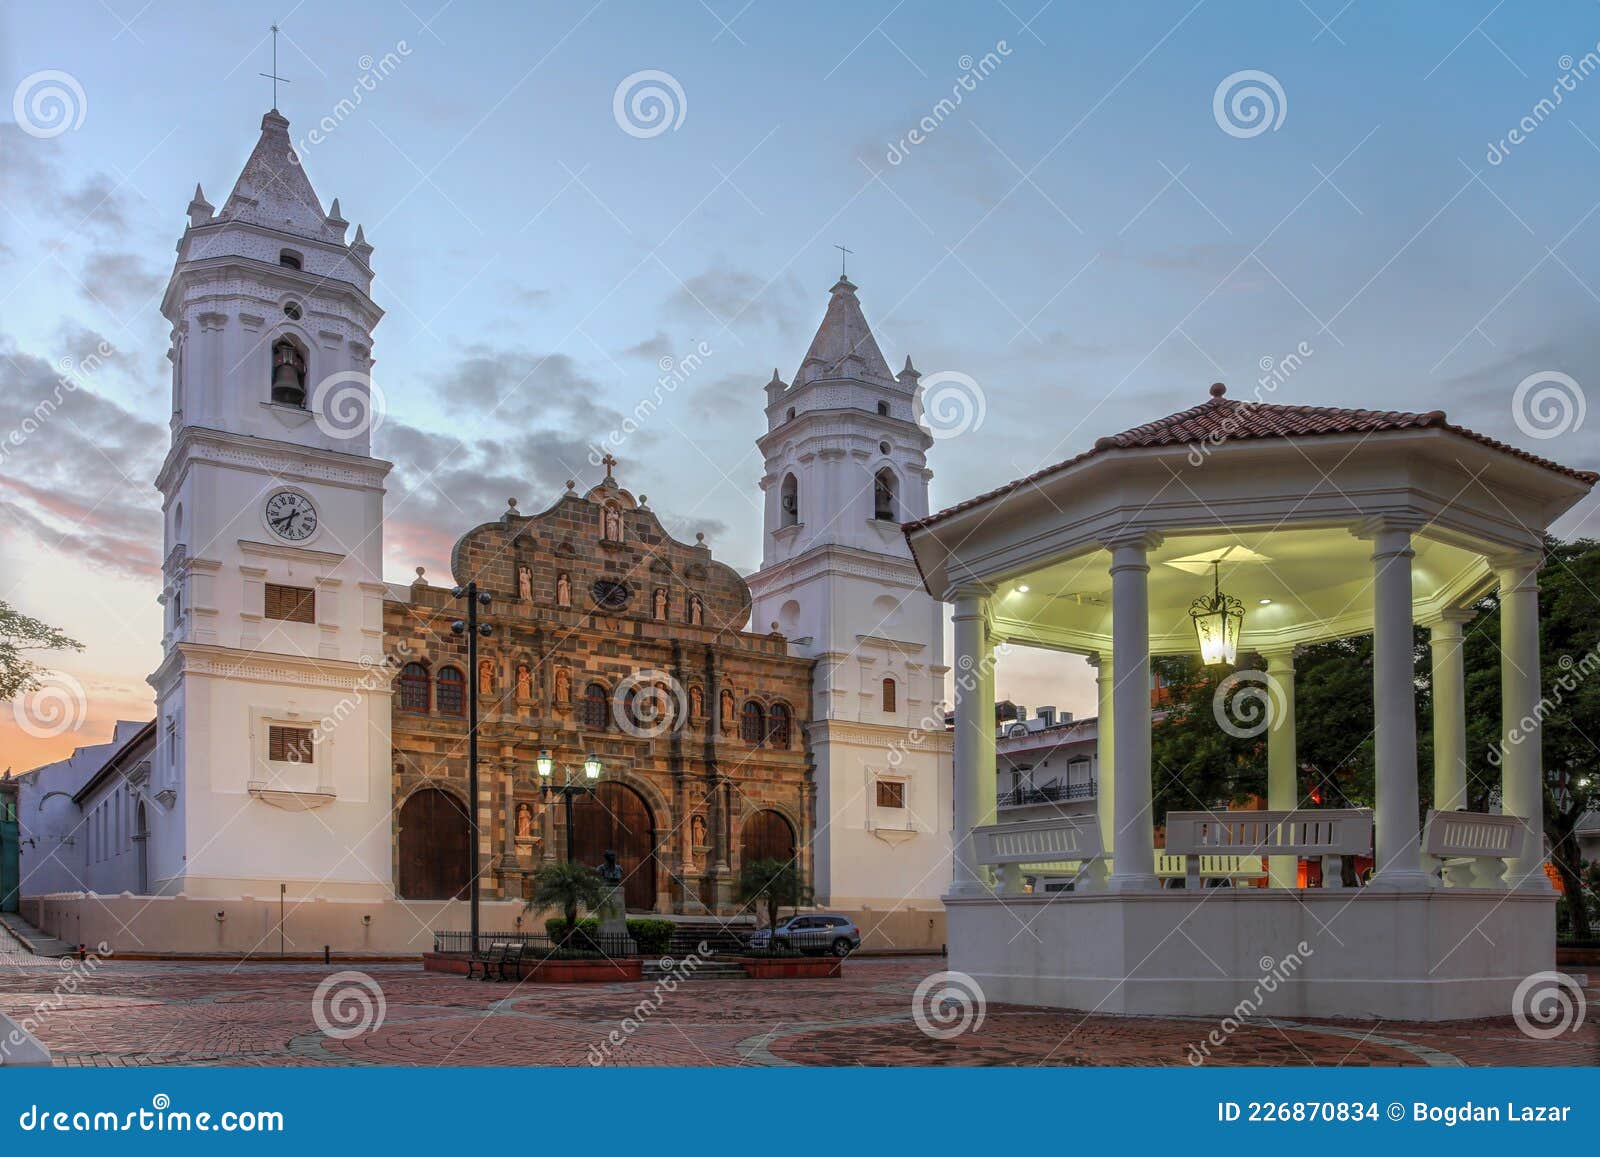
1470,848
1330,833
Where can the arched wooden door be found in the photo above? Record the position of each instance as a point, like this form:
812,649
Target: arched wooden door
617,819
435,847
766,836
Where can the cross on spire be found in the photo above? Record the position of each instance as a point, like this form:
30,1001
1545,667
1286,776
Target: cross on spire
273,75
843,253
608,462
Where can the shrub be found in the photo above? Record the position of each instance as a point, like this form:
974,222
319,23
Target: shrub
652,936
556,926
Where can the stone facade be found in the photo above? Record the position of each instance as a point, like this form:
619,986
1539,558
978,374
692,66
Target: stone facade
594,593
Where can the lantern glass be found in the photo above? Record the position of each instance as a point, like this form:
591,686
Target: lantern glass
591,767
545,763
1218,620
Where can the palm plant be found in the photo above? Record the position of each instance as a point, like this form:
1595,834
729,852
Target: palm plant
773,884
568,886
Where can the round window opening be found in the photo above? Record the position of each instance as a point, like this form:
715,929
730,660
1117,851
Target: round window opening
292,310
883,448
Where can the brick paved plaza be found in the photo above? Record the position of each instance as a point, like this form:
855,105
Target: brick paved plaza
141,1013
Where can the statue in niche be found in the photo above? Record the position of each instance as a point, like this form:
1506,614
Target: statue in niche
485,677
697,703
563,590
697,611
525,583
661,603
563,685
613,526
524,682
727,712
697,831
524,822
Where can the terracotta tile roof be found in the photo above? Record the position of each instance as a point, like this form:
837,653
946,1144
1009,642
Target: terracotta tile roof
1223,419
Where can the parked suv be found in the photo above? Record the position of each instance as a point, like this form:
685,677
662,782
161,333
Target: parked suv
811,934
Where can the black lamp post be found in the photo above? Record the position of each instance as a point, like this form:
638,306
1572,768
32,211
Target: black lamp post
472,629
570,787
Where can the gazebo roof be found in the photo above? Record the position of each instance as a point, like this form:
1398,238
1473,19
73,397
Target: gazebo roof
1221,418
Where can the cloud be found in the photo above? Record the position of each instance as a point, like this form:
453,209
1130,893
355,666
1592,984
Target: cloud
120,281
725,296
31,178
654,348
75,467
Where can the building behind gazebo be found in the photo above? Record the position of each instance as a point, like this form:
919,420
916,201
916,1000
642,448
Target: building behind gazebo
1323,523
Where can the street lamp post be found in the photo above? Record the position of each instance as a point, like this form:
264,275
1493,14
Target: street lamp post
472,629
570,787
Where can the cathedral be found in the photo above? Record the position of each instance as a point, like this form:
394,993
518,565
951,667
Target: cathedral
307,764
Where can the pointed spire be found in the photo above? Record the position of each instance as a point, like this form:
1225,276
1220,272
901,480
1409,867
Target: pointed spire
200,210
336,222
273,189
908,375
844,346
360,248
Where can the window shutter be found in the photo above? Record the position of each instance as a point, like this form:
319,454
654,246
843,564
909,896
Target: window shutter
293,604
290,745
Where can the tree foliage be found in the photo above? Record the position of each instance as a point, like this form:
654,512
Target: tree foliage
20,634
773,884
568,886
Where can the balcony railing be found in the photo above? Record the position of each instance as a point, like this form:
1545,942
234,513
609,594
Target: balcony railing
1049,793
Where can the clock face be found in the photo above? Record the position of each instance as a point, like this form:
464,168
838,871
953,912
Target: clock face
291,515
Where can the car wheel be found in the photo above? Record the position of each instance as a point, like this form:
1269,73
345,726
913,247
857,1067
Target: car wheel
841,947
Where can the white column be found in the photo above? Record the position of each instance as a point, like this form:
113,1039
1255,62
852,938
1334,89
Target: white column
1521,761
1105,773
1449,711
1133,867
1283,773
1394,707
974,741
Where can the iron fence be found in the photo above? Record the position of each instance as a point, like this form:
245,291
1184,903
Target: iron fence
1049,793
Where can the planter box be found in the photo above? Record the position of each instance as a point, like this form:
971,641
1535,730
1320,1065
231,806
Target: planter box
791,967
548,971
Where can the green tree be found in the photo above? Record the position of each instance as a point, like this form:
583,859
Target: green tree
568,886
773,884
19,634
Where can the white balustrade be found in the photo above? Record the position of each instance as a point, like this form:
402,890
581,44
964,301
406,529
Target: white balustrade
1470,847
1329,833
1059,845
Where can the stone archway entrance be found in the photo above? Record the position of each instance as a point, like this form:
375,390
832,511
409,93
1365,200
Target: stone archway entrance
767,835
617,818
435,847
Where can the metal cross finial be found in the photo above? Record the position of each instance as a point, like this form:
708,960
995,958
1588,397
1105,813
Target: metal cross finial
608,462
273,75
842,254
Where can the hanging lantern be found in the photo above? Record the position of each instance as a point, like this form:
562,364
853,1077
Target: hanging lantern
1217,620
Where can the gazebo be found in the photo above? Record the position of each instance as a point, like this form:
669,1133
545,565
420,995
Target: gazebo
1237,528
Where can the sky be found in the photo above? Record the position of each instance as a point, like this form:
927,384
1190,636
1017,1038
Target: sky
1062,202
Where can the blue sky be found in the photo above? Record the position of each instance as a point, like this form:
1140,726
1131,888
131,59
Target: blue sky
1080,236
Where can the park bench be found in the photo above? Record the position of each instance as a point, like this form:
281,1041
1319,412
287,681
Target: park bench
1061,845
1331,833
487,960
1469,848
510,966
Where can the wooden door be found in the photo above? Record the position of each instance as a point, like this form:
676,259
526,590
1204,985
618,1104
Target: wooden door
617,819
766,836
435,847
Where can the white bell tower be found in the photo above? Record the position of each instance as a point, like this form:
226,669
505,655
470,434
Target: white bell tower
846,464
272,697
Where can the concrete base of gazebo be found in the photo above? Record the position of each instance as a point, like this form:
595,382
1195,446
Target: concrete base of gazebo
1445,954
